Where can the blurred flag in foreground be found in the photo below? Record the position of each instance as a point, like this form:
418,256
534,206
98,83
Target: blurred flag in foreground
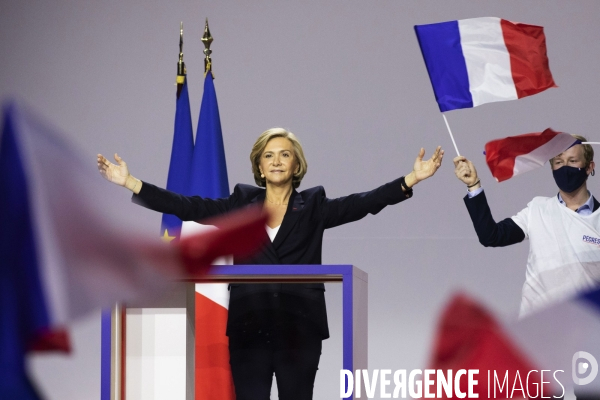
482,60
565,336
515,155
536,357
69,244
470,339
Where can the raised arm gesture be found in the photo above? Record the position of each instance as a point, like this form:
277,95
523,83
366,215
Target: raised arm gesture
423,169
466,172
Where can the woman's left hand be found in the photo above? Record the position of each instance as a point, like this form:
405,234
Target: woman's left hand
423,169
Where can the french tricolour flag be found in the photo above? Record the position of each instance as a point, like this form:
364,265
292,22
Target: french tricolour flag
482,60
71,243
515,155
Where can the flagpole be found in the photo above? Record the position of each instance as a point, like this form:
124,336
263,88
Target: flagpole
450,132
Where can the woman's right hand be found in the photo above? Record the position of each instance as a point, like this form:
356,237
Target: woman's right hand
118,174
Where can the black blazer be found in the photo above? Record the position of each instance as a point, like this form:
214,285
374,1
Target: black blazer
258,307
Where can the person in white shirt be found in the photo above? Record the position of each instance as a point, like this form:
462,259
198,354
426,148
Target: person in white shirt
563,230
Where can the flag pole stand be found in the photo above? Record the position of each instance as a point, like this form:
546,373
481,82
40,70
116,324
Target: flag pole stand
450,132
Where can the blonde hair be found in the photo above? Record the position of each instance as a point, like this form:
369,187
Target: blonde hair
259,147
588,151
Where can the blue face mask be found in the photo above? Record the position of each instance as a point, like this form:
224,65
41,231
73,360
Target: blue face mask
568,179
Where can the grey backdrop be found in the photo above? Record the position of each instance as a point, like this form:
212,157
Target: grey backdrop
348,78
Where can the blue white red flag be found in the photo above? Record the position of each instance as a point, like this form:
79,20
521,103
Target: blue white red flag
515,155
482,60
69,244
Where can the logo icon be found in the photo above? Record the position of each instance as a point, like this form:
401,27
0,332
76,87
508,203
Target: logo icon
584,368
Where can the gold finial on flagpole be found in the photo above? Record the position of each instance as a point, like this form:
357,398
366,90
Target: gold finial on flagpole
181,70
207,40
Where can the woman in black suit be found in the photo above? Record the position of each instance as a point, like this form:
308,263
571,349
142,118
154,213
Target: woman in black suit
277,328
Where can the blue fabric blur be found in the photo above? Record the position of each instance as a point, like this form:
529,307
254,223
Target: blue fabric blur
23,311
593,298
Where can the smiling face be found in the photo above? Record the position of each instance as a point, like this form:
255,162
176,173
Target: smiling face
278,162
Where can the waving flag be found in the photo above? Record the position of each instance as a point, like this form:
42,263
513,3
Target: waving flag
515,155
564,336
555,350
482,60
469,338
69,244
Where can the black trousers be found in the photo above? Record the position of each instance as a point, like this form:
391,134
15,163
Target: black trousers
291,354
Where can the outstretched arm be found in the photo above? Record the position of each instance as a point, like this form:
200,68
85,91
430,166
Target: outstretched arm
356,206
186,208
489,232
118,174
